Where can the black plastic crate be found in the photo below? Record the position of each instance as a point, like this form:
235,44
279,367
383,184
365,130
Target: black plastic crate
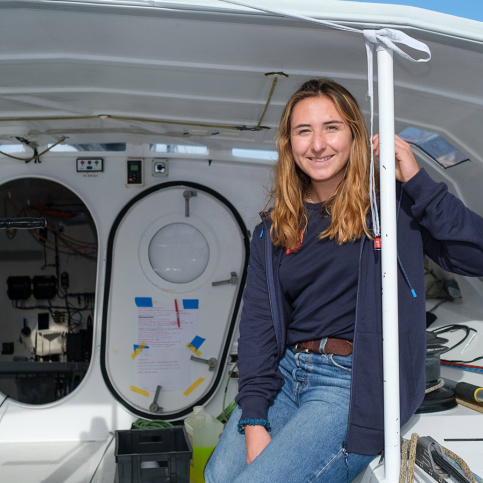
153,455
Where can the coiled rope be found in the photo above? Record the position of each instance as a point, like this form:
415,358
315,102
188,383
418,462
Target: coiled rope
408,460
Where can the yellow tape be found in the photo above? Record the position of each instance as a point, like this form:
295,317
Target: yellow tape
139,391
138,350
193,386
193,348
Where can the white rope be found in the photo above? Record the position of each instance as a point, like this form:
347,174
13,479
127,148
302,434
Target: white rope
386,37
376,226
291,15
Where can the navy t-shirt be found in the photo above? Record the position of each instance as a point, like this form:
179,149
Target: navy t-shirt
320,283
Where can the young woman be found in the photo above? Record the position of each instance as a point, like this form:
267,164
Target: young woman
310,401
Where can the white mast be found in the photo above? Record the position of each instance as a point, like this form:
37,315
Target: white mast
392,451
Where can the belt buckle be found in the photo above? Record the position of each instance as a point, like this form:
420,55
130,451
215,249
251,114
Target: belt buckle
301,349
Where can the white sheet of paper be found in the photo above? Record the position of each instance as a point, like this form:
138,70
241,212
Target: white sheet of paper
158,326
165,361
167,368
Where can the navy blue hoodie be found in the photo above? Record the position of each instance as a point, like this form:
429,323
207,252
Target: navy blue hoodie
431,221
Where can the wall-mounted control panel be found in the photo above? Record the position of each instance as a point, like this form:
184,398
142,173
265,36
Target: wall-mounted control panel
85,165
135,176
160,167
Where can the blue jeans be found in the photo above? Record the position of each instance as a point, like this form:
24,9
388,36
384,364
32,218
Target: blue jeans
309,424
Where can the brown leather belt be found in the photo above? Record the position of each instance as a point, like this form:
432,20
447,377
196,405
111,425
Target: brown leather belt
338,347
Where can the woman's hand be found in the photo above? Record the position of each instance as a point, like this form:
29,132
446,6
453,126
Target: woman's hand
256,439
406,165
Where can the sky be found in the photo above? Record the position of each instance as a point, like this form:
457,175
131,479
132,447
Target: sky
461,8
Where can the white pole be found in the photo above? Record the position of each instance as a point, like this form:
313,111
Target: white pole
392,452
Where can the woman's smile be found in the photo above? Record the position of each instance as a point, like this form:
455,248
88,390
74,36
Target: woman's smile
321,160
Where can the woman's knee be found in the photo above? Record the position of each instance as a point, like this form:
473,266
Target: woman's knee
223,467
229,457
214,469
208,472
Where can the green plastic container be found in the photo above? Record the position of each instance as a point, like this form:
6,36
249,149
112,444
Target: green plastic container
204,432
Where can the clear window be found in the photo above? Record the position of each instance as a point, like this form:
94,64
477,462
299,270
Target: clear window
435,146
102,147
178,148
12,148
179,253
255,154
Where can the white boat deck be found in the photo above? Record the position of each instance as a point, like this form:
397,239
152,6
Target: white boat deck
94,461
62,462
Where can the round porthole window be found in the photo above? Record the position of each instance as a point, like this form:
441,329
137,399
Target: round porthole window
179,253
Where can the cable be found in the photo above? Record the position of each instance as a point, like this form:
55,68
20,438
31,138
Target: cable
149,423
441,302
36,155
88,304
72,245
274,83
463,362
453,328
224,416
6,397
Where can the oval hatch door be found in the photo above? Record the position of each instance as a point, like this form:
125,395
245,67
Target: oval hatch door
176,266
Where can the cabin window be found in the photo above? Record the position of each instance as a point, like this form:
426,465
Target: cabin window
178,148
255,154
49,279
12,148
99,147
435,146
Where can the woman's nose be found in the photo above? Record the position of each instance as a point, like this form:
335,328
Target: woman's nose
318,142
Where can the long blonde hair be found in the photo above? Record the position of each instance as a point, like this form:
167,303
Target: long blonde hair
350,204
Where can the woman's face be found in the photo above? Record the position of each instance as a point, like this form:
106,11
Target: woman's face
321,142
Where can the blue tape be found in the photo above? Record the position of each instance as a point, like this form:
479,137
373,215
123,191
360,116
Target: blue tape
137,345
197,341
190,303
143,301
